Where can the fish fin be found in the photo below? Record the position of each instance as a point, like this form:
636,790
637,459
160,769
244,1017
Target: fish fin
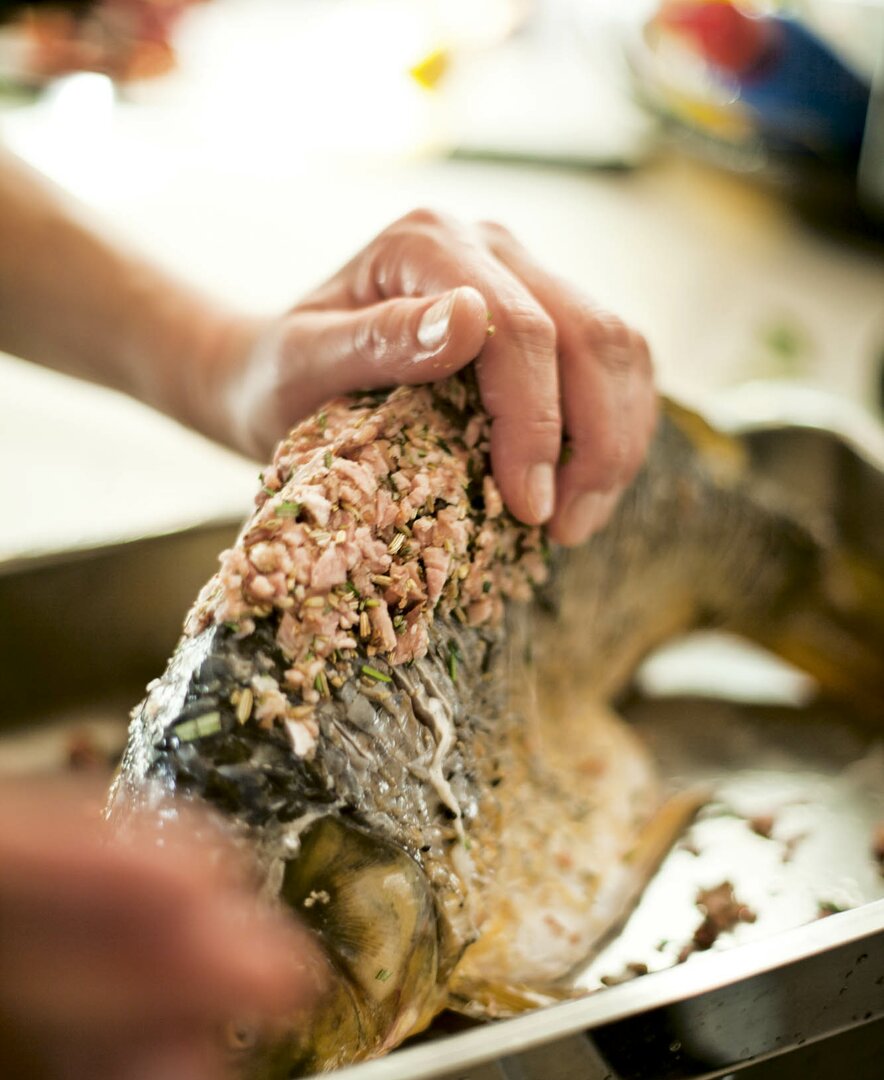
372,909
660,833
491,1000
654,842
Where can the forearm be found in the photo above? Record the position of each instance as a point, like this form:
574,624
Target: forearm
74,300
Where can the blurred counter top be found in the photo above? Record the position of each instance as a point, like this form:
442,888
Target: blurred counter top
724,282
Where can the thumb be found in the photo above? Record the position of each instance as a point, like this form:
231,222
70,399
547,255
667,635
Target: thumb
402,341
310,356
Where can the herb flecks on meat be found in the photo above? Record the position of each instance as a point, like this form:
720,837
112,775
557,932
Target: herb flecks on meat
372,518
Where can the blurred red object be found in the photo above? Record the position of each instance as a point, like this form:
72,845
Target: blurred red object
124,39
731,39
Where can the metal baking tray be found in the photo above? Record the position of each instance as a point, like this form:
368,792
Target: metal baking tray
81,633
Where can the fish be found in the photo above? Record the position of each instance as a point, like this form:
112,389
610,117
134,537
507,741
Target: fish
404,701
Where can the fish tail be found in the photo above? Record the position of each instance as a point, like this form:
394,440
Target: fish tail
791,575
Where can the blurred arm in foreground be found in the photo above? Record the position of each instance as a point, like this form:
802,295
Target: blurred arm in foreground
123,958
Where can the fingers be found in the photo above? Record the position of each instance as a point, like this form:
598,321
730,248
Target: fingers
404,340
517,368
94,934
170,1053
412,307
322,354
607,391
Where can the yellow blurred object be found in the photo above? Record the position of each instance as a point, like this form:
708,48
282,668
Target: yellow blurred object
429,71
728,122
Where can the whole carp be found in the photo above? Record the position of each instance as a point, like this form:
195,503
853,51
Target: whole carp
401,698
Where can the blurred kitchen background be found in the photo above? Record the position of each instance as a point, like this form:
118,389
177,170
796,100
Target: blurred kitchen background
715,174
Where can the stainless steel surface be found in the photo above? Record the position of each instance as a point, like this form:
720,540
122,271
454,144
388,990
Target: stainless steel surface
88,628
699,1019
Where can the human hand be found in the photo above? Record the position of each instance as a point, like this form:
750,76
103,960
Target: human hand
124,960
426,297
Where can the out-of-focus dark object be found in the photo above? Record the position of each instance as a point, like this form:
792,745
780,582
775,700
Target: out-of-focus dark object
124,39
768,95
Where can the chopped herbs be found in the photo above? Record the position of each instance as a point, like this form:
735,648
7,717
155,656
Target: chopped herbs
373,673
320,685
453,657
288,509
399,506
383,974
198,728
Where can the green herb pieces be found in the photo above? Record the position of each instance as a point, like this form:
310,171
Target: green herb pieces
320,685
383,974
288,509
198,728
328,458
453,657
373,673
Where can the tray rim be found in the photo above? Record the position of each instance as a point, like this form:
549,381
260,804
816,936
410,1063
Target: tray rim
702,974
26,561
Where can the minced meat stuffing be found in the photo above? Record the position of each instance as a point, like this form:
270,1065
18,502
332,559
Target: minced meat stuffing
374,515
722,911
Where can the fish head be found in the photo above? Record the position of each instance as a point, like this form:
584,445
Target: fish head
372,911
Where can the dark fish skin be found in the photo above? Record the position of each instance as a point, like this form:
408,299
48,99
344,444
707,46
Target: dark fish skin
417,769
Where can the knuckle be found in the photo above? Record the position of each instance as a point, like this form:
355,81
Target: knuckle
600,465
611,459
370,343
426,217
530,327
640,351
544,426
606,331
541,428
495,232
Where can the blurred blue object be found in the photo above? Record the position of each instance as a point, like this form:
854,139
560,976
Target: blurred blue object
802,91
803,97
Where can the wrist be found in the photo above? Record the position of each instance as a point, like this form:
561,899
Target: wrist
188,355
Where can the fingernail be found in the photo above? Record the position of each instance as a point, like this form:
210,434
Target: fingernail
589,513
435,324
583,515
541,490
